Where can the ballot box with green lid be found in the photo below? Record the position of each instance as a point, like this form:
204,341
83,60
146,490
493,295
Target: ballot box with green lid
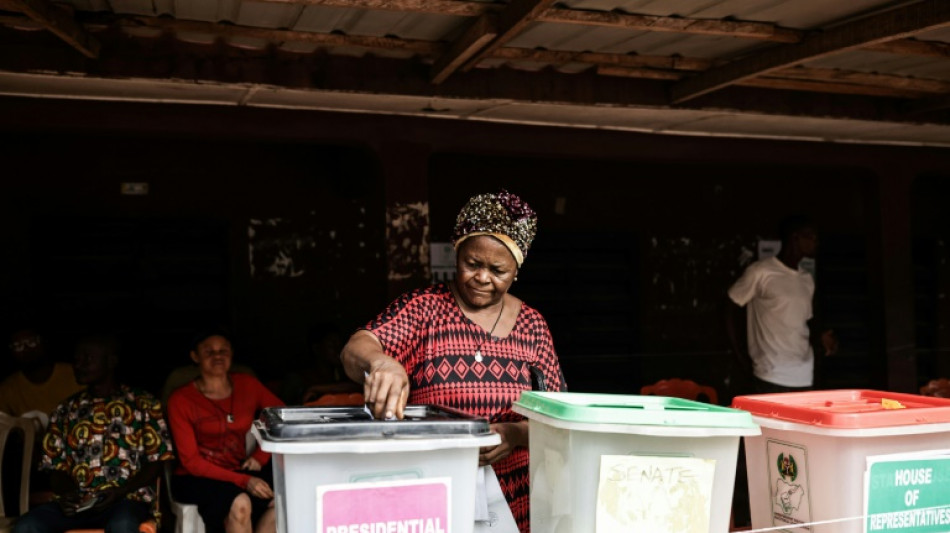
604,463
337,470
808,469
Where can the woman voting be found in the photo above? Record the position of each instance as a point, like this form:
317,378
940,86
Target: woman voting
467,344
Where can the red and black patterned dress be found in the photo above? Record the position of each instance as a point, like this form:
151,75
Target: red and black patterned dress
427,332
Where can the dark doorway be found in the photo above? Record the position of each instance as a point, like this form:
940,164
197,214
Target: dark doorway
151,281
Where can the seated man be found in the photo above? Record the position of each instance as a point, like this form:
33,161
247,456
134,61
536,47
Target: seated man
34,391
105,446
41,383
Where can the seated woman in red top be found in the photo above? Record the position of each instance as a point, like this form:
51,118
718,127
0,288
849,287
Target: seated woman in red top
209,420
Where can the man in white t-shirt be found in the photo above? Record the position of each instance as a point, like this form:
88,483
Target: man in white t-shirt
777,295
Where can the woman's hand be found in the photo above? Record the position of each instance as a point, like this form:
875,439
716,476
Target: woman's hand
259,488
513,434
251,464
386,388
385,383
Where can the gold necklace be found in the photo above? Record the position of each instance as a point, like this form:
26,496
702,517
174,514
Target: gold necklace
478,349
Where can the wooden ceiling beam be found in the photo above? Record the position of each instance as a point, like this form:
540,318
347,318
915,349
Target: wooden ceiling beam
474,39
897,23
815,80
399,77
912,47
462,8
59,22
486,35
815,86
425,48
641,73
917,86
628,21
557,57
511,22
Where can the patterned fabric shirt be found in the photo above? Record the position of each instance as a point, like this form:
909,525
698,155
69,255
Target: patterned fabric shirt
102,442
427,332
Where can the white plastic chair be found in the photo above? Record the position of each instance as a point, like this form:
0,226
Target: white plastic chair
40,420
187,519
27,427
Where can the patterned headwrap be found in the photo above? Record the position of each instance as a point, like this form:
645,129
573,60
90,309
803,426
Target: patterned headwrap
504,216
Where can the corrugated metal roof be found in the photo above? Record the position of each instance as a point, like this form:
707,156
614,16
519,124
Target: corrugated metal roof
878,62
550,36
423,34
574,38
799,14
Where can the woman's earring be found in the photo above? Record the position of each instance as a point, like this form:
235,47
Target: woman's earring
516,278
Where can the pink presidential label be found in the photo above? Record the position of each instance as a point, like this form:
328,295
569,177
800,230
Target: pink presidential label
410,506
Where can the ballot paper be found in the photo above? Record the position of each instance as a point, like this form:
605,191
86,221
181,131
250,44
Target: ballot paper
649,494
492,514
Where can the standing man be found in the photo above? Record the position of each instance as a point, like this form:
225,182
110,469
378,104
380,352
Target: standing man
104,447
777,295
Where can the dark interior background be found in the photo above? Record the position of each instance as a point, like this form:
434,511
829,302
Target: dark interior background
81,256
931,230
271,234
632,274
